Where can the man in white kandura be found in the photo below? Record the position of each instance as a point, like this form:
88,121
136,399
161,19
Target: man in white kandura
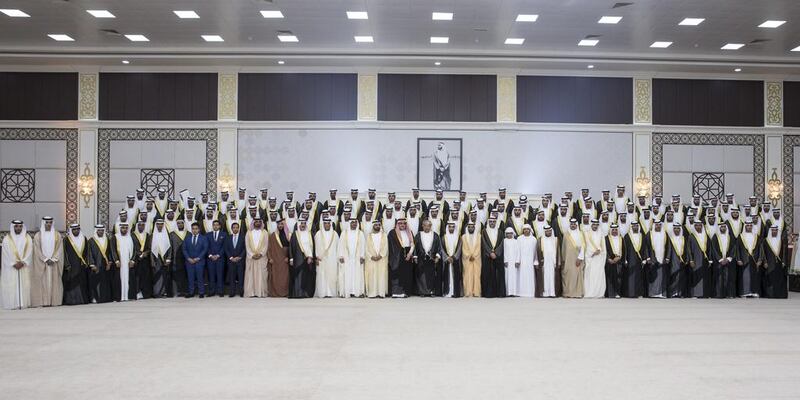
511,263
48,266
594,276
125,261
327,245
528,260
549,258
351,261
15,275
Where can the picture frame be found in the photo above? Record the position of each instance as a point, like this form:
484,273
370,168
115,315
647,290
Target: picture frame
440,164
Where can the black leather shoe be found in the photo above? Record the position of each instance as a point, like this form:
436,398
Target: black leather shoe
202,296
189,296
232,295
222,295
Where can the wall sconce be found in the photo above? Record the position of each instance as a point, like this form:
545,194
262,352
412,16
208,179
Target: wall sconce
226,179
775,188
643,184
87,185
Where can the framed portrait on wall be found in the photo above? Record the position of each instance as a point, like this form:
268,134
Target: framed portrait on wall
439,164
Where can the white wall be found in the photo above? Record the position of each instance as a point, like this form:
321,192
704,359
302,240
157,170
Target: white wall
47,157
188,158
528,162
680,161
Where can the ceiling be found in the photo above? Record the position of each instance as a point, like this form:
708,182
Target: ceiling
402,31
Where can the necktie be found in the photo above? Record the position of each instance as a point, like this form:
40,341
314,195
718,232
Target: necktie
194,240
215,235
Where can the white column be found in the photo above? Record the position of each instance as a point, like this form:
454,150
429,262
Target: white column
642,101
367,97
641,159
227,158
773,103
88,92
506,98
87,154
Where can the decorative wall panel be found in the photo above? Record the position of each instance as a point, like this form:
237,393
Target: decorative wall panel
571,99
17,185
643,101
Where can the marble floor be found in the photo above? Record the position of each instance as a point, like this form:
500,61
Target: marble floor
222,348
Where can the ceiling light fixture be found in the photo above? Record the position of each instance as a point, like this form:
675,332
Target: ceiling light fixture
438,63
732,46
692,21
440,39
796,48
60,37
737,70
363,39
288,38
101,13
661,45
212,38
588,42
188,14
590,66
527,17
357,15
771,24
609,20
515,41
281,62
137,38
126,62
271,14
442,16
14,13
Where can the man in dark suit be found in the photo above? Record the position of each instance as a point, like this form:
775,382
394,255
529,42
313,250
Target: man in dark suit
216,260
235,253
195,249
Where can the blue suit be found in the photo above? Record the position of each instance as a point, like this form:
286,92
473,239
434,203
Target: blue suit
216,269
195,247
235,269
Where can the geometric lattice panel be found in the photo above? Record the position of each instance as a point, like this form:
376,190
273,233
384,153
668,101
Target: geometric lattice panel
709,185
17,185
154,179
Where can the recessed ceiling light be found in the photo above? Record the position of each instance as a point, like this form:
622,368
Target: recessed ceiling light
661,45
357,15
440,39
288,38
590,66
363,39
737,70
609,20
527,17
126,62
14,13
281,62
59,37
442,16
212,38
271,14
515,40
438,63
137,38
692,21
186,14
771,24
732,46
588,42
101,13
796,48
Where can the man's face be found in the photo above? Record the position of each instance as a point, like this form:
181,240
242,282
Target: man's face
326,225
573,226
162,195
606,195
657,227
371,195
148,206
235,228
209,214
180,224
509,235
17,229
281,225
289,195
517,212
123,230
562,211
131,202
471,229
698,227
426,226
291,212
256,224
48,225
401,225
75,231
594,227
302,226
540,217
748,227
353,224
439,195
615,232
332,195
216,225
774,231
354,195
451,228
620,192
273,216
676,230
264,195
526,232
492,223
309,203
548,232
224,196
272,203
391,198
376,228
723,229
140,227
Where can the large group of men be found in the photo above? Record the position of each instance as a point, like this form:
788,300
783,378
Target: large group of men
256,246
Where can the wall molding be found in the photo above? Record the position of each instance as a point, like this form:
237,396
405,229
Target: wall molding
789,143
659,139
106,136
773,103
642,101
70,136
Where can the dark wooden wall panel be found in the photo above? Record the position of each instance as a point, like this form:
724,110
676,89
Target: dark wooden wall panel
708,102
298,97
567,99
158,97
791,104
38,96
414,97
